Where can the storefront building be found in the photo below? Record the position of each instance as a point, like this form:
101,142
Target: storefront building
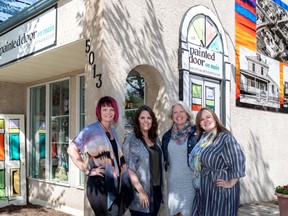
57,58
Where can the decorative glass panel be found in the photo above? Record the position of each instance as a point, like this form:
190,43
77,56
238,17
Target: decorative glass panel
2,184
14,123
199,25
2,125
203,32
14,146
42,138
2,179
196,97
15,182
2,147
14,126
192,35
196,107
210,98
196,90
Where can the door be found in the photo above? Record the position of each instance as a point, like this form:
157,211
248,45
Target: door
205,93
12,160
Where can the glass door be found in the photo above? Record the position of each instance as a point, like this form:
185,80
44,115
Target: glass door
12,160
205,93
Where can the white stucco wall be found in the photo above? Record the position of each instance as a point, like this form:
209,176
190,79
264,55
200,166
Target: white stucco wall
70,16
138,33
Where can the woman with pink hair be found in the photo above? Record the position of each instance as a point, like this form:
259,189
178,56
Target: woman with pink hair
106,164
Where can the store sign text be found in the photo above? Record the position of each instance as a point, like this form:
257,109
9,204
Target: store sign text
205,61
28,38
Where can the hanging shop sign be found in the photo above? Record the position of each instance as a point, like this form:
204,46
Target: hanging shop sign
31,37
205,62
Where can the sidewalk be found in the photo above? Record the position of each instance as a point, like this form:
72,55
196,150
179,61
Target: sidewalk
261,209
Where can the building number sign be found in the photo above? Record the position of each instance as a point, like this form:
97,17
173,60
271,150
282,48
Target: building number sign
91,61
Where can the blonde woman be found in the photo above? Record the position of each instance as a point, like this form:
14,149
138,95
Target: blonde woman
177,143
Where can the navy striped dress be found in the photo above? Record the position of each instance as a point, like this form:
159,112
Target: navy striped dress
222,159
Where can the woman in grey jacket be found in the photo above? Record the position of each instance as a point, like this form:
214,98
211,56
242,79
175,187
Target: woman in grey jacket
177,143
143,155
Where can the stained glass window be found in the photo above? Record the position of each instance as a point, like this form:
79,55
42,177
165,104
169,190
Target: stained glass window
204,33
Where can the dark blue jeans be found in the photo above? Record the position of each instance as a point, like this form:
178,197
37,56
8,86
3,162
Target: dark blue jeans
157,199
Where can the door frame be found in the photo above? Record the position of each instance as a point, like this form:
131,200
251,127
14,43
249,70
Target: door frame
12,166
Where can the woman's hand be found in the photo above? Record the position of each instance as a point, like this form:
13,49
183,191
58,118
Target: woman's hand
144,199
99,171
226,184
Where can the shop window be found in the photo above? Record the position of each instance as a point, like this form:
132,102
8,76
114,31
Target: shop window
52,150
82,116
37,132
59,130
134,98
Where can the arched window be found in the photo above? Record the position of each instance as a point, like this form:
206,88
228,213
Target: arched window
134,98
203,32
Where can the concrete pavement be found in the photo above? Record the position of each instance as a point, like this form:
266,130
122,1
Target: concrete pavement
261,209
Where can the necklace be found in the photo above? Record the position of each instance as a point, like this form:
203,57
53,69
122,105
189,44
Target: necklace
106,131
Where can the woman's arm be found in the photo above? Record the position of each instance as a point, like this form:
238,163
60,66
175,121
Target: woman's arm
144,200
74,154
236,160
226,184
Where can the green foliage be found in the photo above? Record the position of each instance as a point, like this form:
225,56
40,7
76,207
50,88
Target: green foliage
282,189
134,98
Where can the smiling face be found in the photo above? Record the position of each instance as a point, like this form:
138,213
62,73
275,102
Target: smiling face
179,116
145,121
107,113
207,121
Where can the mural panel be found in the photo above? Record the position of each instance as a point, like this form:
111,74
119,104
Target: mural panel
262,54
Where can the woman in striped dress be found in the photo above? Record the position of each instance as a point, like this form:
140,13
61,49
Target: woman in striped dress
217,162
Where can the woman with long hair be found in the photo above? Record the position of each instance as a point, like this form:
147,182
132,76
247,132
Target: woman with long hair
217,162
143,154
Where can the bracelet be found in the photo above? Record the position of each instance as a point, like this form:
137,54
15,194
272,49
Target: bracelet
89,172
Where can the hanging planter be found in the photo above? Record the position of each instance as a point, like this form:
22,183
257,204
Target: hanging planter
282,195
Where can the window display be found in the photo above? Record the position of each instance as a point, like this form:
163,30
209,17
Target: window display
37,132
59,135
